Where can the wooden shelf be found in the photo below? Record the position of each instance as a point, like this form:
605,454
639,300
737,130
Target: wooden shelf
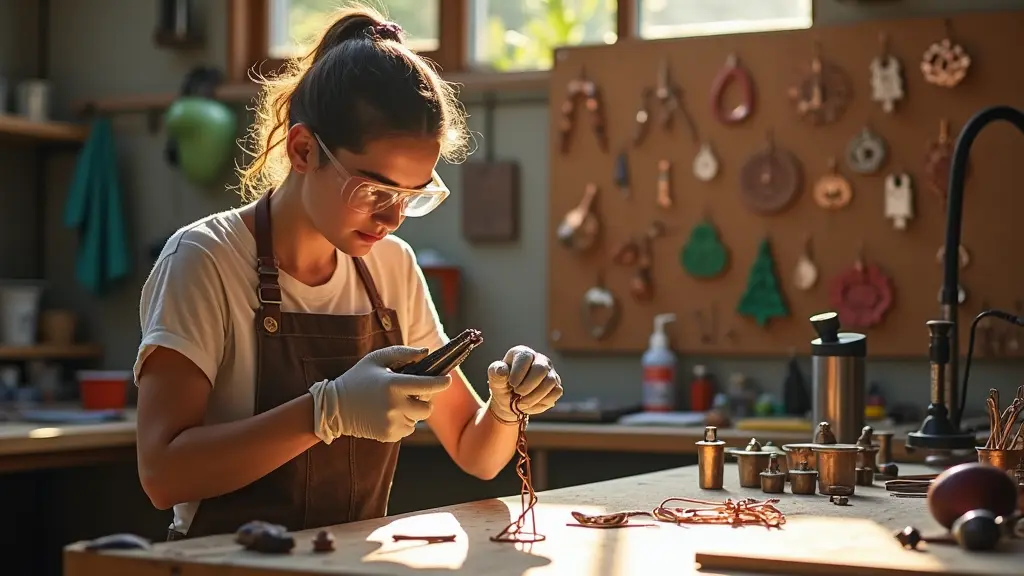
15,127
50,352
470,83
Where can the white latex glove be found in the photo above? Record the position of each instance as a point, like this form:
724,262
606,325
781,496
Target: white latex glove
371,401
528,374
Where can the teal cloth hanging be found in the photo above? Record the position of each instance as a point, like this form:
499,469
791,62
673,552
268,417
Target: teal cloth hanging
95,211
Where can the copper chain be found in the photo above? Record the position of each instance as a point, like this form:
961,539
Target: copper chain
524,528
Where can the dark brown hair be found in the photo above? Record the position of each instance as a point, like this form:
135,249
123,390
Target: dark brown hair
359,83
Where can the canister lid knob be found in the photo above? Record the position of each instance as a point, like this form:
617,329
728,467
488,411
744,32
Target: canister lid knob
826,325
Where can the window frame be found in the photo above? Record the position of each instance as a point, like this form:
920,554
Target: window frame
249,40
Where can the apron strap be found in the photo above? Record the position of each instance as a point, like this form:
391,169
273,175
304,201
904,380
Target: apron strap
372,293
269,290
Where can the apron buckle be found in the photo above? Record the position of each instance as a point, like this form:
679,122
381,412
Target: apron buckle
270,324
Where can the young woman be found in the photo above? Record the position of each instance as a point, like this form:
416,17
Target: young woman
268,331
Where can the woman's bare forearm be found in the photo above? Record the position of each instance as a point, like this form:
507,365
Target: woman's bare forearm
486,445
208,461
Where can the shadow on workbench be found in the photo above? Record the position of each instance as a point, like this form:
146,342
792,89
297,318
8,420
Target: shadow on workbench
478,521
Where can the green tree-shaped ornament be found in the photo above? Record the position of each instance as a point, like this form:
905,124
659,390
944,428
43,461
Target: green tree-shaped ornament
762,300
703,255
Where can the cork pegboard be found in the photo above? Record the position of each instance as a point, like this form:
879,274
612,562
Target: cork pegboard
707,321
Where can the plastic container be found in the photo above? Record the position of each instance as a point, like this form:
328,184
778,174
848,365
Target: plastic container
103,389
659,369
19,312
702,390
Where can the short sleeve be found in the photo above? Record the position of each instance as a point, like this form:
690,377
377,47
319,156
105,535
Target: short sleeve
425,329
184,308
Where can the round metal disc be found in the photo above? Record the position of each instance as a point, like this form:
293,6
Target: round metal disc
770,180
865,153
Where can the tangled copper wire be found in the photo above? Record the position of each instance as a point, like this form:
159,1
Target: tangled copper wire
524,528
746,512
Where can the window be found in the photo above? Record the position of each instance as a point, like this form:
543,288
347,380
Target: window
509,35
293,24
499,35
679,18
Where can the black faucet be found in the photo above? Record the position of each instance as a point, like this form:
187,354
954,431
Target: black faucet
954,217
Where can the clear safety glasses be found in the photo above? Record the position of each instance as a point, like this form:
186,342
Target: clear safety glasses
370,196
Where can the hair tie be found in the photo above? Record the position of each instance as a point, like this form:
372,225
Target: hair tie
388,31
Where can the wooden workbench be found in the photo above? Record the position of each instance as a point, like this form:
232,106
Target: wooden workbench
854,539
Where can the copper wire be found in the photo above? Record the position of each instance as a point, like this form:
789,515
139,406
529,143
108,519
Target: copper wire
746,512
524,528
1001,436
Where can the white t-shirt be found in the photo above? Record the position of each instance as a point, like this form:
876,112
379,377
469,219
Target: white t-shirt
200,300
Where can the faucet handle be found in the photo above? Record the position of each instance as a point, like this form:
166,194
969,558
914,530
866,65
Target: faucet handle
939,328
939,344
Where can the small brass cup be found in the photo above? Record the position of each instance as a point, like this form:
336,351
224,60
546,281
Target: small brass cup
1003,459
837,469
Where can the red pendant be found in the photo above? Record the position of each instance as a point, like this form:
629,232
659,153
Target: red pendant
862,295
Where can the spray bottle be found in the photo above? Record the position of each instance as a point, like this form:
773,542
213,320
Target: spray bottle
659,369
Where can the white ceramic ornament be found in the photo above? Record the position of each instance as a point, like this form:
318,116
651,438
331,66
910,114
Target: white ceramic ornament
705,163
899,200
887,82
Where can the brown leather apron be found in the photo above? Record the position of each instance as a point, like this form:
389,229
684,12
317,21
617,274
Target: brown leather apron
351,478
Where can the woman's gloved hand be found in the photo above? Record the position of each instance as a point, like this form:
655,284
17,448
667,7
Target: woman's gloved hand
371,401
529,375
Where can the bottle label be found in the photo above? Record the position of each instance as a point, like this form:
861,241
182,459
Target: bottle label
659,388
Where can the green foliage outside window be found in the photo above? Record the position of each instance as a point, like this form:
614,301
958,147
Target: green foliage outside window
513,35
307,19
523,35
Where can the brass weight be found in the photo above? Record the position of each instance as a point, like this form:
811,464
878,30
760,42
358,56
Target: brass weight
868,451
710,460
803,479
837,463
887,469
773,480
770,446
837,469
751,461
